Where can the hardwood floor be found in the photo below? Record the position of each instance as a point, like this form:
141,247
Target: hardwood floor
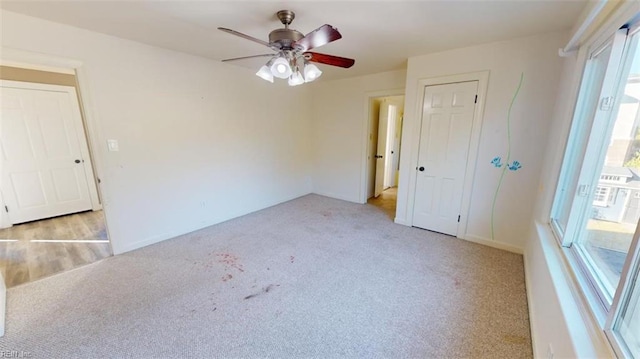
38,249
386,201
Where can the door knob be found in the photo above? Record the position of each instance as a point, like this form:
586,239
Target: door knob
421,169
77,161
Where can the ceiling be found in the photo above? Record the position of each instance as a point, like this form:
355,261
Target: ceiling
380,35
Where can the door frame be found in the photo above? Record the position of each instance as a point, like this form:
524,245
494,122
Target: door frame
44,62
79,131
366,125
483,81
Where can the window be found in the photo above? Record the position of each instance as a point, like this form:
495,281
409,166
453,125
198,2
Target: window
596,212
601,197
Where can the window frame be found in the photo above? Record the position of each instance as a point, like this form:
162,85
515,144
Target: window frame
630,272
607,317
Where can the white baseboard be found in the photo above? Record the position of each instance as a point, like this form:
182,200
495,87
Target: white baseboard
336,196
494,244
117,249
532,313
402,221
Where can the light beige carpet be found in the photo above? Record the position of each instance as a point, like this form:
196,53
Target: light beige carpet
313,277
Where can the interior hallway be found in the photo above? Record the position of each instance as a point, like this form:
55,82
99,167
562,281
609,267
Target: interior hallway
38,249
386,201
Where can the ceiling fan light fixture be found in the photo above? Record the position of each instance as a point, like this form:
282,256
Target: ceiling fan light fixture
281,68
265,73
296,79
291,58
311,72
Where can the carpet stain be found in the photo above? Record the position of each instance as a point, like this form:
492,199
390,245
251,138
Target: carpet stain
227,277
457,282
264,290
514,339
292,258
229,261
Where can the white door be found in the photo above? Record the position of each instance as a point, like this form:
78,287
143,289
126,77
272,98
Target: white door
388,156
41,134
383,124
447,118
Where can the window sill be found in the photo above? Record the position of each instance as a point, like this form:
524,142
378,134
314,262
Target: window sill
579,312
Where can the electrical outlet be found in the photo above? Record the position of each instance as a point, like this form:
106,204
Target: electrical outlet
550,352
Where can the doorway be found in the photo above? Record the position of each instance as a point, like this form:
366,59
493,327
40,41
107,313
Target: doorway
386,114
52,218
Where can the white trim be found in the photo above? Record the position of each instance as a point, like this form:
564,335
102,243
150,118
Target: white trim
494,244
5,222
623,292
336,196
92,130
365,136
573,43
79,131
23,65
549,207
621,16
37,61
533,321
3,304
483,81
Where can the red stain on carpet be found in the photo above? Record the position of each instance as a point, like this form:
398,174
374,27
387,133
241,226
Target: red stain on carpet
229,261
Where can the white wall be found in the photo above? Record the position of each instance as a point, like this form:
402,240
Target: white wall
339,131
537,57
200,141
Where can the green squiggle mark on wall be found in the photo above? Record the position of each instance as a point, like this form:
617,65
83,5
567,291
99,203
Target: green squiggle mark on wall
504,168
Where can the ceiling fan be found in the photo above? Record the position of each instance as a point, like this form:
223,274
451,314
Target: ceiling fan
292,57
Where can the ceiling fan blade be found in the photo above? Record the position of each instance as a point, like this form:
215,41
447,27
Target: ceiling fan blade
248,57
329,59
239,34
318,37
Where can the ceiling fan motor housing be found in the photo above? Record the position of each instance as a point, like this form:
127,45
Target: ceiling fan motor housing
285,37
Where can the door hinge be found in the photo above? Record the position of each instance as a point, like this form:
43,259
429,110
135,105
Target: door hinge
476,100
6,209
458,218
